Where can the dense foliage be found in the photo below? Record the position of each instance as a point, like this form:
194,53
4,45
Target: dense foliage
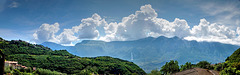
39,71
232,64
170,67
155,72
235,57
187,65
32,55
204,64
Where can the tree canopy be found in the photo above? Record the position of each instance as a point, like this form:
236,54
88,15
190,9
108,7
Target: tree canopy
187,65
204,64
170,67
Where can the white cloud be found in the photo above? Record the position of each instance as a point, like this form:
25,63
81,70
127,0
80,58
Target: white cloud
144,23
46,32
213,39
238,32
66,37
181,28
206,31
87,29
110,30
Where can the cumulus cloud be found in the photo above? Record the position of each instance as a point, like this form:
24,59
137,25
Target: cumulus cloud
214,32
66,37
46,32
87,29
143,23
206,29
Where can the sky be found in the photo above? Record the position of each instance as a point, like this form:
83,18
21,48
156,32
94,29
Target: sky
68,22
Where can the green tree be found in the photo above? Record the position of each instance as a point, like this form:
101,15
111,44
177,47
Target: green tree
235,57
220,67
155,72
170,67
203,64
230,71
41,71
187,65
29,70
17,72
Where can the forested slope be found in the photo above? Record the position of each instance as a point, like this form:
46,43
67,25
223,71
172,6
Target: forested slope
32,55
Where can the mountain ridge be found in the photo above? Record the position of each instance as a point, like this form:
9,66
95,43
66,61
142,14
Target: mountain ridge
151,53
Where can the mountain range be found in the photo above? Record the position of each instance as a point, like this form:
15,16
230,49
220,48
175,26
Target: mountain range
59,62
151,53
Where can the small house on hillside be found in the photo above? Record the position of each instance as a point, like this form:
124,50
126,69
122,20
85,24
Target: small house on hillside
14,65
10,63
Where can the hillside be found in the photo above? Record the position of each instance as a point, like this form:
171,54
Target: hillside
32,55
151,53
232,64
235,57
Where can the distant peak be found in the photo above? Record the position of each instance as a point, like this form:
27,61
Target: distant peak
150,37
48,42
91,41
161,37
175,37
85,41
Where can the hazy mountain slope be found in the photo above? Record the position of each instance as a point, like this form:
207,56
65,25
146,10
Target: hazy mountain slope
55,46
151,53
